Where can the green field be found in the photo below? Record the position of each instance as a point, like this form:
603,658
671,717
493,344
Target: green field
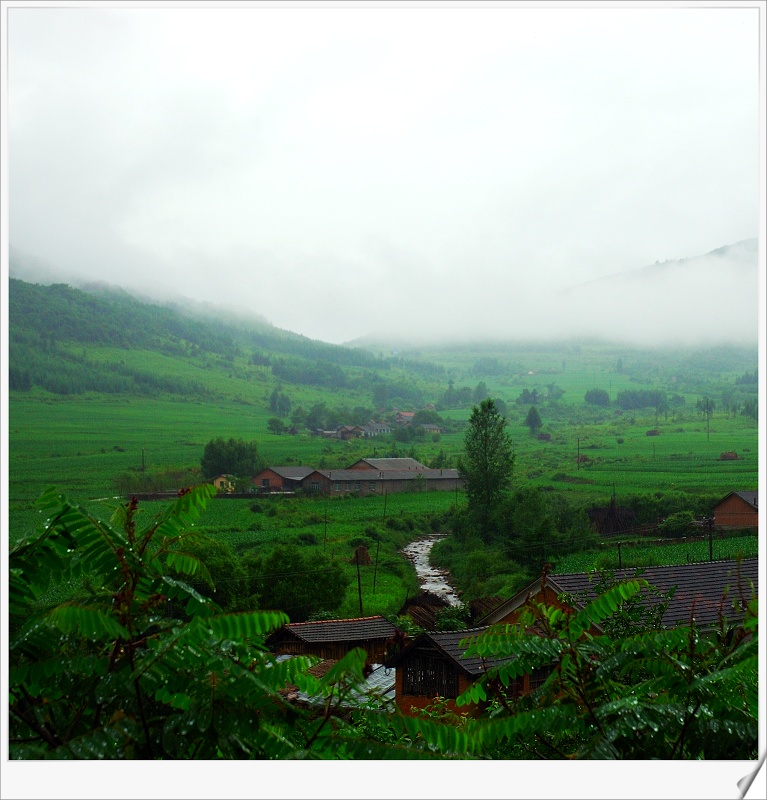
109,395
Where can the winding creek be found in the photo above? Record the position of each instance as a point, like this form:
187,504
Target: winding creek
432,579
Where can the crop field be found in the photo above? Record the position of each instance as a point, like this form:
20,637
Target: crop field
651,554
334,527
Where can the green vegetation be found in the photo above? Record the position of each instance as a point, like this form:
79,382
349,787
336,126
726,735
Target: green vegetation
231,457
488,462
113,654
636,694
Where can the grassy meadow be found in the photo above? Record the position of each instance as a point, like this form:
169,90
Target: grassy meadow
73,424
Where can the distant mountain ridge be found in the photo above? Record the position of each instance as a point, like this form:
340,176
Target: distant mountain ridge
698,300
742,255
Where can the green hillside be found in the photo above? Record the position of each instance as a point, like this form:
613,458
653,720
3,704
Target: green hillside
110,393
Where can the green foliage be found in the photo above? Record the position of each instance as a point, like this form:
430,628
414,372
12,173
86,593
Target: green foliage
637,694
452,618
231,457
294,582
678,524
488,461
136,664
533,420
597,397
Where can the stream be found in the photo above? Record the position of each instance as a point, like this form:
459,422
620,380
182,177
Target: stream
432,579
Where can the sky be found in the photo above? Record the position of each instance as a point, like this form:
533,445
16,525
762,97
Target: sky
433,172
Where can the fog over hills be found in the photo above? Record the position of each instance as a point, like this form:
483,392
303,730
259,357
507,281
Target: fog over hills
705,299
708,298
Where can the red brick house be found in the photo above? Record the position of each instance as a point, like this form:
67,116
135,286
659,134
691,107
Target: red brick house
280,479
367,481
699,589
333,639
737,510
434,663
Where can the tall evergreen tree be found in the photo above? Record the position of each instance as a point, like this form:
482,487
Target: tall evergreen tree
489,460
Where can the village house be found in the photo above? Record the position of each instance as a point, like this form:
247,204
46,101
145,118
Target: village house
737,510
224,483
434,664
333,639
375,429
698,591
367,481
280,479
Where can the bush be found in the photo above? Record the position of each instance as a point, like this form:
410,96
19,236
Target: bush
678,524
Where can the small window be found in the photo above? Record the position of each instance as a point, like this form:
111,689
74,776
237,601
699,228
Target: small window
372,486
265,482
348,486
356,486
315,486
337,487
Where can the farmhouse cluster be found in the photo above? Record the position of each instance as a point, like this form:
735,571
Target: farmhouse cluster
364,477
411,673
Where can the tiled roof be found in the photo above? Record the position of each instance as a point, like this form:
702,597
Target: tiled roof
343,630
447,642
392,463
752,498
699,587
389,474
293,473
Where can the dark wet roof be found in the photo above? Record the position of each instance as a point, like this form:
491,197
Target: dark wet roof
752,498
343,630
392,463
293,473
448,644
699,587
388,475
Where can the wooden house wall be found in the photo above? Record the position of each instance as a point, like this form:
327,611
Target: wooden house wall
406,702
735,512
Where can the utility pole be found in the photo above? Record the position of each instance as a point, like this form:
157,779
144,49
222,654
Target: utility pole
710,521
359,580
325,537
375,568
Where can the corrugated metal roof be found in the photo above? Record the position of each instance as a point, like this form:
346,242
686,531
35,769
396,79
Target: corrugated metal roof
699,588
343,630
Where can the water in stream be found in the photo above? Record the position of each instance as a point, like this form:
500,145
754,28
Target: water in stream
432,579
